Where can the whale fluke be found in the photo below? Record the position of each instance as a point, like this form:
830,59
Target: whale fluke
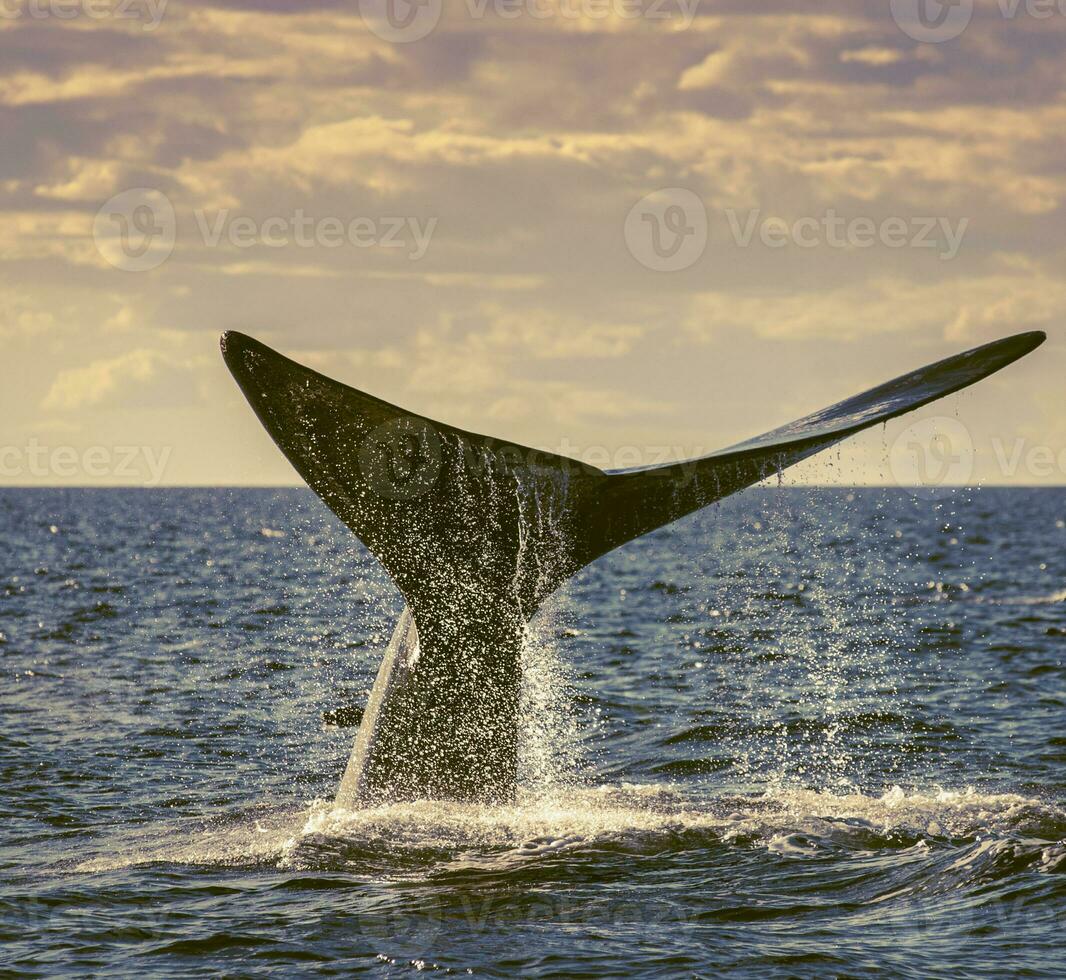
476,532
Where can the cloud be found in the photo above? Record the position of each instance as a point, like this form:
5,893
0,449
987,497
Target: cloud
21,316
528,141
873,56
89,180
962,309
548,334
100,381
140,378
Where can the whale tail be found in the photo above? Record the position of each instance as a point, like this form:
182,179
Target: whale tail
476,532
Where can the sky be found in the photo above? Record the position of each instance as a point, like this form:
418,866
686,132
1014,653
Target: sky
624,230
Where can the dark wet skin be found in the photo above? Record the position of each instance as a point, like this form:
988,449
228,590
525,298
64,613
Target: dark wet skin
477,532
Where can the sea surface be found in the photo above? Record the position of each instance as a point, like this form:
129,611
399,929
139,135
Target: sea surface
808,733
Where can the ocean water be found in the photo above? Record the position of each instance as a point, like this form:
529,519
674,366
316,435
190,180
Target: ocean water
806,733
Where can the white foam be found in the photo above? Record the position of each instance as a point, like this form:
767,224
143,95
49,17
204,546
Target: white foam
788,821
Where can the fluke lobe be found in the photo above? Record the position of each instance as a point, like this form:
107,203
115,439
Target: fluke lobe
477,532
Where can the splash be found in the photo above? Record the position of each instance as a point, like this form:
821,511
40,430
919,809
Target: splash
548,729
656,818
434,837
810,618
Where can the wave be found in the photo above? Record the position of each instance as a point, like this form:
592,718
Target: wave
1051,599
967,832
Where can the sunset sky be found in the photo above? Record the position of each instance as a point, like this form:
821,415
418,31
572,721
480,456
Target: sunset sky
620,229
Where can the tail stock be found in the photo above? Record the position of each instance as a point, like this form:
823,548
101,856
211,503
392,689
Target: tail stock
476,532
